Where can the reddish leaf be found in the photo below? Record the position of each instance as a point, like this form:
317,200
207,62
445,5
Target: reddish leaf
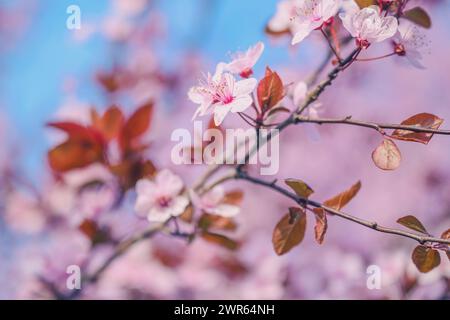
321,225
412,223
364,3
233,197
209,221
92,231
110,124
290,231
387,156
342,199
74,154
109,81
421,120
188,214
220,240
299,187
446,235
425,259
270,90
139,122
418,16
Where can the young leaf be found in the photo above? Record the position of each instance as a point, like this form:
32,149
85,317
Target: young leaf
446,235
75,153
342,199
233,197
110,123
364,3
412,223
220,240
139,122
421,120
299,187
387,156
290,231
270,90
209,221
425,259
419,16
321,225
188,214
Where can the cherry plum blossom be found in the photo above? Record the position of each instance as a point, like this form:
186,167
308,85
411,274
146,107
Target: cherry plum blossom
159,200
212,202
243,62
368,25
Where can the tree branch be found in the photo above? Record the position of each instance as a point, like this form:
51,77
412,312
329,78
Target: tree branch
369,224
372,125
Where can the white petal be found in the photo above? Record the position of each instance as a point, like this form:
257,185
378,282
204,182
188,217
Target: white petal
178,206
243,87
389,28
240,103
225,210
300,91
143,205
168,183
220,112
302,32
158,215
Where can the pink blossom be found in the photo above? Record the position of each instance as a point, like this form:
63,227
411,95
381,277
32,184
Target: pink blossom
23,214
212,202
243,62
223,93
282,21
160,199
411,43
311,15
368,25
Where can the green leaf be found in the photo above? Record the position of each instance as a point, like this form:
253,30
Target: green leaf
290,231
425,259
299,187
412,223
419,16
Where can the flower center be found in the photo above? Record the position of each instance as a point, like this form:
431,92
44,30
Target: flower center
164,201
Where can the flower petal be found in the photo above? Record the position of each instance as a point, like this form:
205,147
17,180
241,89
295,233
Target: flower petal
243,87
240,103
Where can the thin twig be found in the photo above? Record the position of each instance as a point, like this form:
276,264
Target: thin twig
369,224
372,125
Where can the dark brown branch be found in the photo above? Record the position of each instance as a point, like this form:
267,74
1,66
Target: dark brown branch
369,224
372,125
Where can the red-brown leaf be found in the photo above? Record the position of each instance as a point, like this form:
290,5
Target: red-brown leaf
110,124
412,223
270,90
342,199
208,221
139,122
387,156
290,231
321,226
300,187
419,16
421,120
75,153
425,259
220,240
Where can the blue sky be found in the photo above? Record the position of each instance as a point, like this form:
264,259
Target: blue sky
31,81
